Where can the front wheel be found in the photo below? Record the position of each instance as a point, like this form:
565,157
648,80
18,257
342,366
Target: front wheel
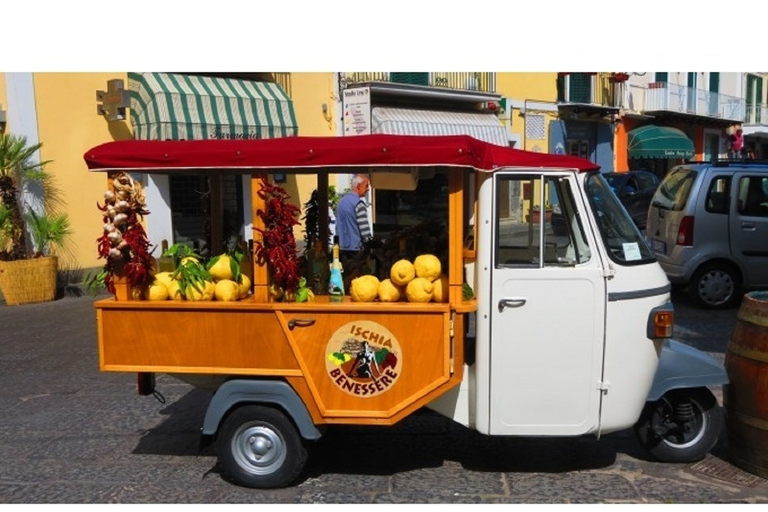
682,426
260,447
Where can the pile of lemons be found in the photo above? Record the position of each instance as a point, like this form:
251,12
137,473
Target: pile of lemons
216,282
420,281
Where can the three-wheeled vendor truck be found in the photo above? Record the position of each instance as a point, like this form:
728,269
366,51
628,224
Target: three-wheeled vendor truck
566,330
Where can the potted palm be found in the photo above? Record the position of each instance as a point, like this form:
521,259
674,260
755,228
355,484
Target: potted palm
28,265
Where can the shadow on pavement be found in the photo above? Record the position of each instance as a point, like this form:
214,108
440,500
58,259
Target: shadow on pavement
179,433
423,440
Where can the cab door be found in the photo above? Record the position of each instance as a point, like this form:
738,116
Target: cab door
548,303
749,227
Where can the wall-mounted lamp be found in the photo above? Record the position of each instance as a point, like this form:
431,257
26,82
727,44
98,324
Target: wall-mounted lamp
113,101
326,115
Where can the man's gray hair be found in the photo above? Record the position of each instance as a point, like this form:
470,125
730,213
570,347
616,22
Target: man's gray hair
358,179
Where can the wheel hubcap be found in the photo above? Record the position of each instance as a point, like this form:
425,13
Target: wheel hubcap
686,433
258,449
716,287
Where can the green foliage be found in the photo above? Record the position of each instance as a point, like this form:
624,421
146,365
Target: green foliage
466,292
180,251
96,282
302,292
49,231
19,171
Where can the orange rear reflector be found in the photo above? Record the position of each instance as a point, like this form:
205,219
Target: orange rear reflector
663,322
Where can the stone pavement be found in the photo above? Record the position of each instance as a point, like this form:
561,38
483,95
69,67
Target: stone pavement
71,434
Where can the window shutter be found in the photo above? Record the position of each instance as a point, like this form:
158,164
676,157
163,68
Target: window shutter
580,88
410,78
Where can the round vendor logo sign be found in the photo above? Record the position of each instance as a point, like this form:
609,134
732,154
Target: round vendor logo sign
363,359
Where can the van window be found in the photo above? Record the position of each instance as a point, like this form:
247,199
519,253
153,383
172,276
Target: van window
717,195
753,200
620,235
674,190
537,223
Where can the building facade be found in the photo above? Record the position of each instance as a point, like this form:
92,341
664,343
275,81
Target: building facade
621,121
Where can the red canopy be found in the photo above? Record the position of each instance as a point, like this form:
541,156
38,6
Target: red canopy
299,153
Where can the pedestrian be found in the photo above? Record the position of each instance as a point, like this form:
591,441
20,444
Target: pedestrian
352,226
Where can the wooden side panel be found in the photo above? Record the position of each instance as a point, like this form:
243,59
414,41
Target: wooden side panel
419,345
186,341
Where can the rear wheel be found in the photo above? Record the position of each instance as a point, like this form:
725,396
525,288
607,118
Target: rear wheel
716,286
682,426
260,447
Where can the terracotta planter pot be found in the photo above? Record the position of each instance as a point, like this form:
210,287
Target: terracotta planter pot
28,281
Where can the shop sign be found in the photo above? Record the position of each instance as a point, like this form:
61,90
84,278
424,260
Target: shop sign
356,104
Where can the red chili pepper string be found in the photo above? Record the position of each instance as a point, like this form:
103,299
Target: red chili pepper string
278,246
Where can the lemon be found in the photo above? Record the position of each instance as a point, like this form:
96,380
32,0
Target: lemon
402,272
226,290
364,288
419,290
206,294
174,290
156,291
427,266
164,277
440,289
244,288
222,269
389,291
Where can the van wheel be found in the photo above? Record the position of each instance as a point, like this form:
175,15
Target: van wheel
682,426
715,286
259,447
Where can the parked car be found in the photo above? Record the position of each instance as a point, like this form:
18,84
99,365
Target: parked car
635,190
708,226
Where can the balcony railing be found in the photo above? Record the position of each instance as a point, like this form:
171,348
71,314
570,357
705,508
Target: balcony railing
600,89
756,114
467,81
663,96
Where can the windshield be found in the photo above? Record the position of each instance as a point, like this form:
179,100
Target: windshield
673,192
621,237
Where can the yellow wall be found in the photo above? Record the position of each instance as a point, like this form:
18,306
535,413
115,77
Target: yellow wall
541,87
309,91
67,127
3,95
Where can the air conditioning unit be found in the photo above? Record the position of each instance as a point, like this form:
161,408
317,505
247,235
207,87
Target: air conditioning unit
405,178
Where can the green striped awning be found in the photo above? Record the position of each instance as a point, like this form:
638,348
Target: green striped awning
167,106
652,141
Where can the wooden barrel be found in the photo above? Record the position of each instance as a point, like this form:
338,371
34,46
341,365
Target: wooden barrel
746,396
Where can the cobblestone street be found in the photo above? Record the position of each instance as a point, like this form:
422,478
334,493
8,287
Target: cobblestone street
71,434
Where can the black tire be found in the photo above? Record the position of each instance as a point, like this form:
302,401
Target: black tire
682,426
260,447
716,286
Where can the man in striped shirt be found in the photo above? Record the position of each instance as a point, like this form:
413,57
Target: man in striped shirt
352,225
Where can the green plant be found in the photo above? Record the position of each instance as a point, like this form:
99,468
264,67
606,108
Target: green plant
49,231
19,171
190,272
